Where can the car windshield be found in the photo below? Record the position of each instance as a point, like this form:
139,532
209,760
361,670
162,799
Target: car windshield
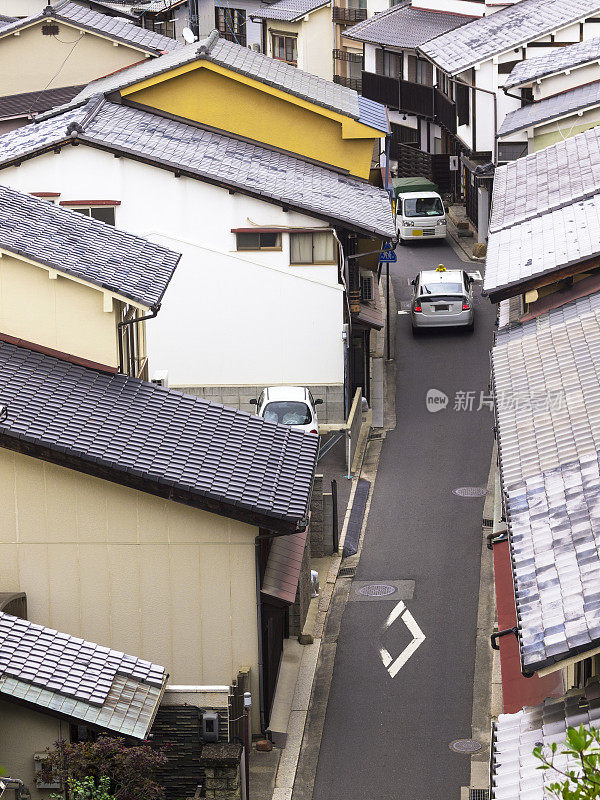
288,412
423,207
440,288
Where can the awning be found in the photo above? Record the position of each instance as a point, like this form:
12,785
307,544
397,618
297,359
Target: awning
371,316
517,691
283,567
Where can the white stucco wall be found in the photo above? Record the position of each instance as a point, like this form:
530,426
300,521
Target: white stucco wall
206,18
227,318
315,41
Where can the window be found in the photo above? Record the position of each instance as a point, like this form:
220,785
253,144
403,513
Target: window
366,287
526,97
103,213
424,72
392,64
259,240
285,48
231,24
312,248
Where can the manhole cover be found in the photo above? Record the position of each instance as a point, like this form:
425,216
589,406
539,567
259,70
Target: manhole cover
470,491
468,746
377,589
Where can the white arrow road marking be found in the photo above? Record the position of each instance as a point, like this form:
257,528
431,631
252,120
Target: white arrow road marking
400,610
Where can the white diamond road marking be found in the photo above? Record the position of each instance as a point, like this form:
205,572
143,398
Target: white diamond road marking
394,666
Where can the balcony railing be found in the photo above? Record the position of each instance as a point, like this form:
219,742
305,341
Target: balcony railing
351,83
412,98
444,111
381,88
349,15
416,99
346,55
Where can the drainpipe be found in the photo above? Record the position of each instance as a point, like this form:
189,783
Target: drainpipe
132,321
261,700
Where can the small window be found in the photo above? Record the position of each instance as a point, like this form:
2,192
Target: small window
259,240
312,248
285,48
103,213
366,287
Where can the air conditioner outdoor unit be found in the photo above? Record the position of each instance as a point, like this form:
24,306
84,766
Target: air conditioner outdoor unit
161,378
256,47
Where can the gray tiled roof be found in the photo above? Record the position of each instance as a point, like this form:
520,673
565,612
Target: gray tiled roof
505,30
226,461
543,245
289,10
555,61
16,105
255,65
546,376
528,187
80,679
405,26
117,28
86,248
215,157
559,105
514,769
4,21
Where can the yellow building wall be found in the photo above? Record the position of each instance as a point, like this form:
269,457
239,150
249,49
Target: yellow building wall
24,732
564,129
147,576
30,60
209,96
57,313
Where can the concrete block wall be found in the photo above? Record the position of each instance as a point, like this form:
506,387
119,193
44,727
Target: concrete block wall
239,397
317,548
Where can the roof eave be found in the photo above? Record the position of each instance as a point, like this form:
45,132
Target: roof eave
498,293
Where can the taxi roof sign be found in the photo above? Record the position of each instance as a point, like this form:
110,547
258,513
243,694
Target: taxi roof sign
440,268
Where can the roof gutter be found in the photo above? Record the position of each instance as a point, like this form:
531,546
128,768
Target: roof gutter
121,326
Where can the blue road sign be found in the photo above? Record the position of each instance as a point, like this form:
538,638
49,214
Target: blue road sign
387,256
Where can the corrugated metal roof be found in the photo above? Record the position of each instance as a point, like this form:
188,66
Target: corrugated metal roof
117,28
246,62
212,156
552,178
559,105
226,461
63,674
505,30
515,770
556,61
284,565
289,10
85,248
405,26
543,245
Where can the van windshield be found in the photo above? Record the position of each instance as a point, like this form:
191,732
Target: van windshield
423,207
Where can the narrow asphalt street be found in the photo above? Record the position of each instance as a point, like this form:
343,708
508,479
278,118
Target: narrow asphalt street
387,738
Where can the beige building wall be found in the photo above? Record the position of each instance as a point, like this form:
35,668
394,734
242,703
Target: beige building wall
315,41
30,61
24,732
57,312
146,576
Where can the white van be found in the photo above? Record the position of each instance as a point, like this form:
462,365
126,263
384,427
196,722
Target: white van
420,215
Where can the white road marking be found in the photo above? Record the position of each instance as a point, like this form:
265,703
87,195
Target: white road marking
403,312
475,275
401,611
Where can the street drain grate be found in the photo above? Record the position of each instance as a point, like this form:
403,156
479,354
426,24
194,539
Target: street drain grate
488,523
470,491
479,794
377,589
468,746
347,572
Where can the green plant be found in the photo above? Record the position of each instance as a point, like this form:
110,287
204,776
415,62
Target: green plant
579,779
86,789
129,772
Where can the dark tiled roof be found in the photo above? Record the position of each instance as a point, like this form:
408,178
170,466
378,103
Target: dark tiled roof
226,461
246,62
528,187
86,248
82,680
543,245
405,26
4,21
556,61
29,103
116,28
289,10
505,30
559,105
546,376
515,771
215,157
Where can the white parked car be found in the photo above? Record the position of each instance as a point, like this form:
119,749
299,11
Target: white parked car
289,405
420,215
